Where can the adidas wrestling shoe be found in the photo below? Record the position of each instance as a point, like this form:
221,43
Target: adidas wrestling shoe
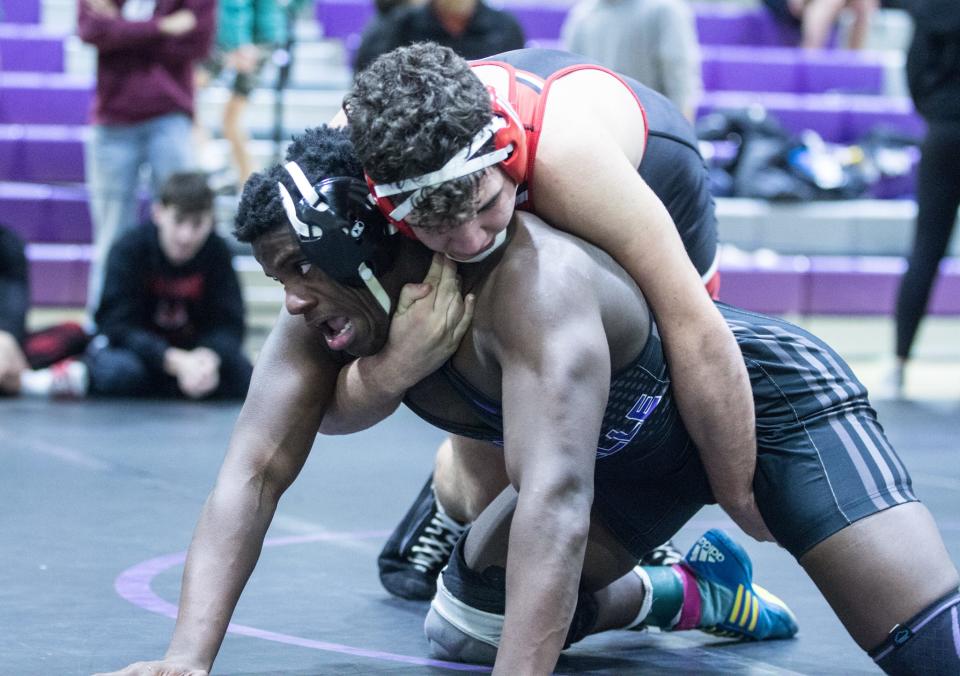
419,548
731,604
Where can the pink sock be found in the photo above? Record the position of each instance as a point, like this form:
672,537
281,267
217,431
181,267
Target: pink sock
690,610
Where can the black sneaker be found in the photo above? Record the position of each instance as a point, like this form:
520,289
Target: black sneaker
419,548
664,555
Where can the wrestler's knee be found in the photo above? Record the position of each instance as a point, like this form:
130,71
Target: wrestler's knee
465,619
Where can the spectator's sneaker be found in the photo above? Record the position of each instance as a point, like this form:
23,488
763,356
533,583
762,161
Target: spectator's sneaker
67,379
664,555
419,548
70,379
730,603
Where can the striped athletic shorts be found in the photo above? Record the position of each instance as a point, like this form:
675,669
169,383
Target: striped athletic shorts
823,460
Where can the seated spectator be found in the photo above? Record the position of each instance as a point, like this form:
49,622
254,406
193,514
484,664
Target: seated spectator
653,41
171,317
471,28
14,296
816,19
21,350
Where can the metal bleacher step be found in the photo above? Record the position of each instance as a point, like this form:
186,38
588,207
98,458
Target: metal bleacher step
849,227
316,63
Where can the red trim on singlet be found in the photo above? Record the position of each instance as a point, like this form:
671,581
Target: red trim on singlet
713,286
530,107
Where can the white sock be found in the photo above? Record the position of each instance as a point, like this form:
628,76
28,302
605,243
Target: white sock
36,383
647,602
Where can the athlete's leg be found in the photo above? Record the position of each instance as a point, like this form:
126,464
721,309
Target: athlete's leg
938,196
836,494
819,19
860,26
467,476
882,570
113,156
709,588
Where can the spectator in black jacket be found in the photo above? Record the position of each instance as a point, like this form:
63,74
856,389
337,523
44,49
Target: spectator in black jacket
171,307
171,317
471,28
933,74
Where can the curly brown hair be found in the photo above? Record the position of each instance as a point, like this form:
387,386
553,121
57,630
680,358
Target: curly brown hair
410,111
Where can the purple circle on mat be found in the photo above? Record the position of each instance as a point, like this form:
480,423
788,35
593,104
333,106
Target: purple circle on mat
133,585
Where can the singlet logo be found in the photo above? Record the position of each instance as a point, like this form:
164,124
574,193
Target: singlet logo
618,438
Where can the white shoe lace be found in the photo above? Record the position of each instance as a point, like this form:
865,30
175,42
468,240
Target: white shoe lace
436,543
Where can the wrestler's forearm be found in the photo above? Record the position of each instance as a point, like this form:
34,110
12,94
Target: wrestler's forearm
367,392
225,548
713,394
547,542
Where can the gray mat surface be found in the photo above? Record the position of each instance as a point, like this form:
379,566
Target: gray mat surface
100,499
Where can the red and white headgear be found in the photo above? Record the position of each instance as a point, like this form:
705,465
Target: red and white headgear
510,152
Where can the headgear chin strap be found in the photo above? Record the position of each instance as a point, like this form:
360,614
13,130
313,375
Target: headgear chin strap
340,230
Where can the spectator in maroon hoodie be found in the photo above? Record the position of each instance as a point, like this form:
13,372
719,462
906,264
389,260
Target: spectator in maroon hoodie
146,51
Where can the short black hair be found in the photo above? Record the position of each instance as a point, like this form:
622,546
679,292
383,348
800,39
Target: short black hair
188,192
321,152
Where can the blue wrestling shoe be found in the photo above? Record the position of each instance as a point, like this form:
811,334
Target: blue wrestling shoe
731,604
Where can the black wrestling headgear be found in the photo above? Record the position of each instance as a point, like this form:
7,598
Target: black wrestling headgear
340,230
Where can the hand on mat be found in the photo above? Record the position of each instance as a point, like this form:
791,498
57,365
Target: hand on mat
431,320
746,514
157,668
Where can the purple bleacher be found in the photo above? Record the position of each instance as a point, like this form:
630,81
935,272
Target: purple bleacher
58,274
42,153
46,213
539,22
869,286
838,118
20,11
830,285
345,19
857,286
790,69
26,47
51,213
728,24
717,24
775,287
44,98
